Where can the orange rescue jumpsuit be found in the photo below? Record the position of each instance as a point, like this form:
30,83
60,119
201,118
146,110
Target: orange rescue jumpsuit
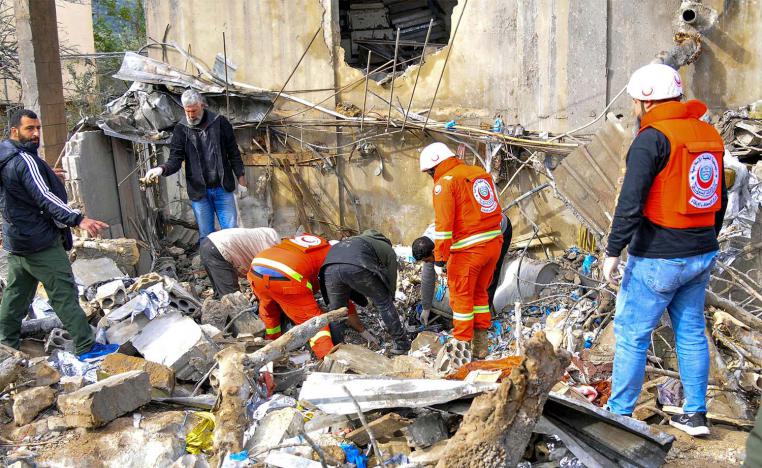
283,277
467,236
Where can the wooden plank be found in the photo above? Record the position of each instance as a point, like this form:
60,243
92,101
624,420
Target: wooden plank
382,428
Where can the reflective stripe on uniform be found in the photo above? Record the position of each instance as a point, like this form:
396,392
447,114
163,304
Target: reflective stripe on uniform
272,331
481,309
442,235
281,267
475,239
463,317
319,335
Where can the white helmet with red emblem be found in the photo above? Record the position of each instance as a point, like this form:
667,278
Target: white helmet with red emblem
655,82
434,154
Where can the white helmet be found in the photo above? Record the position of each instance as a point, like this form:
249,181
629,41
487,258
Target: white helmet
655,82
434,154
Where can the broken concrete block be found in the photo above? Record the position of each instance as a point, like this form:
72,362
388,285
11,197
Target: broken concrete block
145,281
453,355
88,271
350,358
180,299
40,374
59,339
394,446
424,339
111,295
177,342
382,428
161,377
28,404
276,426
214,313
122,332
430,455
104,401
191,461
72,384
412,368
426,430
10,369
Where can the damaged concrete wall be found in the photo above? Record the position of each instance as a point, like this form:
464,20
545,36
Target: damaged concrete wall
550,65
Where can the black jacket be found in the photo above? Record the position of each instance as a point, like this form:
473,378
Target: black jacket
648,155
370,250
33,199
187,146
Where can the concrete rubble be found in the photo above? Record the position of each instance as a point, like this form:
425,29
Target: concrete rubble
189,381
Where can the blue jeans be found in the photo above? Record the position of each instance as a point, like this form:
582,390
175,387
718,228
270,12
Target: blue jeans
648,287
219,202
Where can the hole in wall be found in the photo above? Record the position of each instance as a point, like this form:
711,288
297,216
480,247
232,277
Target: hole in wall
370,26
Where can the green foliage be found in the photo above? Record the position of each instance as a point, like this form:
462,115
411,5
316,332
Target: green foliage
118,25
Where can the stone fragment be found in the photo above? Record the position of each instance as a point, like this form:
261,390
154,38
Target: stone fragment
350,358
40,374
28,404
88,271
191,461
276,426
426,338
161,377
384,427
10,369
177,342
101,402
73,383
426,430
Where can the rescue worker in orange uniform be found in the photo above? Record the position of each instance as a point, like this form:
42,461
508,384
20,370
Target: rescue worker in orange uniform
467,240
668,215
284,279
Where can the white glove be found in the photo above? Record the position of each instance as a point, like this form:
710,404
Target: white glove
369,337
440,271
242,191
610,271
425,316
154,174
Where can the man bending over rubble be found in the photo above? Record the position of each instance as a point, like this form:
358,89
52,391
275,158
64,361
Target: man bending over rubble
669,212
205,142
227,255
36,234
467,240
283,279
423,250
365,267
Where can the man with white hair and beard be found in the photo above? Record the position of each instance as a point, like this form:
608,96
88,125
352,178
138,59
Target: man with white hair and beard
213,167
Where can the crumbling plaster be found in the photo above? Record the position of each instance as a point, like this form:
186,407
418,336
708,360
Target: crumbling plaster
550,65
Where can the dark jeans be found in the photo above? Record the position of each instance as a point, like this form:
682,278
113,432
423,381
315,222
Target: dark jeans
50,267
507,234
342,279
221,273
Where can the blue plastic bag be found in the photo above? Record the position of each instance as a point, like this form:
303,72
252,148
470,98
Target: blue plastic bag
588,263
97,352
354,455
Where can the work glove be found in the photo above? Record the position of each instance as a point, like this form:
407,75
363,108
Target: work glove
242,191
368,336
154,174
440,270
425,316
610,270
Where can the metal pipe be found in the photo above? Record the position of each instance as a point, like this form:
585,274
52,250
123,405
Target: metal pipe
394,71
420,65
365,93
227,83
444,66
272,104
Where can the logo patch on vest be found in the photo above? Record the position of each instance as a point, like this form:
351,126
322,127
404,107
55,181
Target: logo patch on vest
703,179
306,241
437,189
485,196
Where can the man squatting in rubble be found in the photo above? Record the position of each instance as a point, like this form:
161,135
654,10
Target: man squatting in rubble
669,213
205,142
423,250
467,240
36,234
365,267
284,277
227,254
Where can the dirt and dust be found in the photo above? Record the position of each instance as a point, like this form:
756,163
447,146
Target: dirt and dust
725,446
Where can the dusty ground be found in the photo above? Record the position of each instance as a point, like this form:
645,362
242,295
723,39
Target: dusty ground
724,447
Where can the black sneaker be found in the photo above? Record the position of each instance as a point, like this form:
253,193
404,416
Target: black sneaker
694,424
